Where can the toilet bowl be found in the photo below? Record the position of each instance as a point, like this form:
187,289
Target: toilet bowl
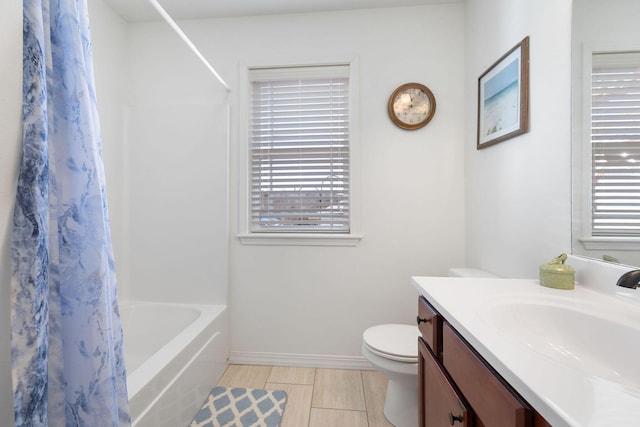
392,349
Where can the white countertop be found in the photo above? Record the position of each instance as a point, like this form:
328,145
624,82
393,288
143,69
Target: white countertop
564,393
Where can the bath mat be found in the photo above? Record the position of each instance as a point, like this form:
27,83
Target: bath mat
241,407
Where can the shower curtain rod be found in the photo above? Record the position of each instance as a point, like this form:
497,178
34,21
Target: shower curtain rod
186,39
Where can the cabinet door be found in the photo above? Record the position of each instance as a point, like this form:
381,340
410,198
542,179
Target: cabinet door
430,325
440,403
493,401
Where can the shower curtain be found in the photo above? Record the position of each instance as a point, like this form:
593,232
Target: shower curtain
66,338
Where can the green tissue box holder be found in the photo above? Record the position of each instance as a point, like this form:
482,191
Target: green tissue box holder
556,274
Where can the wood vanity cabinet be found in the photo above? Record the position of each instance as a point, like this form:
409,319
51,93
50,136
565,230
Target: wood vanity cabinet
458,387
441,404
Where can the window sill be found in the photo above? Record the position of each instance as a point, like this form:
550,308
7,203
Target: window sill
287,239
611,243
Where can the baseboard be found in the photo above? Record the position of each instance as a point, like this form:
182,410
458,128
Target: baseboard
299,360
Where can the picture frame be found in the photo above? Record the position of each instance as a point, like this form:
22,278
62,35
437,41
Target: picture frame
503,97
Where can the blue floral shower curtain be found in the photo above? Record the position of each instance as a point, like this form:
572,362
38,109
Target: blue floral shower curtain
66,341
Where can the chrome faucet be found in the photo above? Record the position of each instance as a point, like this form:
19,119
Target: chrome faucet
630,279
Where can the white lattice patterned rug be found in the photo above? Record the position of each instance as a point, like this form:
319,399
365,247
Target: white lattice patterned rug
241,407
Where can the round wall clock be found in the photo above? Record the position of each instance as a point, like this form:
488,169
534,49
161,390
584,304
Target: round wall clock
411,106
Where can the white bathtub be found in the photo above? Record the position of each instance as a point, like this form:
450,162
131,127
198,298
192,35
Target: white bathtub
174,354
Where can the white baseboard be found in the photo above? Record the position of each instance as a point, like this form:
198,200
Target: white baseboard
299,360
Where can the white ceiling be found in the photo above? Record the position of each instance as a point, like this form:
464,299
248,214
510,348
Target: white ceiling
141,10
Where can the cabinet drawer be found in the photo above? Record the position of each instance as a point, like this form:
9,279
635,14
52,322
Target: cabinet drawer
491,399
430,325
440,403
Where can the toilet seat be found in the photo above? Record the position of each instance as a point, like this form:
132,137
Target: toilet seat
393,342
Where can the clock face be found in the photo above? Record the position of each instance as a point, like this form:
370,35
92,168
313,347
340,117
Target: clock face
412,106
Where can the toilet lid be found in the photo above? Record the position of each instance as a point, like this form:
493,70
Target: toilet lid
396,342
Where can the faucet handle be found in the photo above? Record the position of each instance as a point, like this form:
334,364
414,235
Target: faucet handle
630,279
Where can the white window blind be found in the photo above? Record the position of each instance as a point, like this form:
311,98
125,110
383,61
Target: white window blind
615,144
299,149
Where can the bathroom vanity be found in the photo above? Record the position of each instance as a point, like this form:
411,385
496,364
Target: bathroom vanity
509,352
457,386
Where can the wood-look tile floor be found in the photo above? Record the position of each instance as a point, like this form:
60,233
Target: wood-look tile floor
318,397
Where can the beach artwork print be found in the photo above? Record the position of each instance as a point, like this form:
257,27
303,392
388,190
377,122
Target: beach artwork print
502,101
502,98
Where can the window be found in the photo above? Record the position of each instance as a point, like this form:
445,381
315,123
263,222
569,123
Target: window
615,144
299,150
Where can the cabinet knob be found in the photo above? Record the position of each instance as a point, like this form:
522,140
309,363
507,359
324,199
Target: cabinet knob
454,418
421,320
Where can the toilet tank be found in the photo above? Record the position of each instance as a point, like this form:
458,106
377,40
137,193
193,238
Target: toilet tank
469,272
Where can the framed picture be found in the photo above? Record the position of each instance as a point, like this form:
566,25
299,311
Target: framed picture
503,97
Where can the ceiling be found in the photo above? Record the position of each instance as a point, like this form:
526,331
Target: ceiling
141,10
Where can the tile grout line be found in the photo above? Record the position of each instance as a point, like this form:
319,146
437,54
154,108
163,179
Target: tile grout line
264,383
313,391
364,396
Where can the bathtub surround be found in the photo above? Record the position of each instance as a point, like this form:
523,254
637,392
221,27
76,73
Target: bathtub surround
165,122
166,142
241,407
66,338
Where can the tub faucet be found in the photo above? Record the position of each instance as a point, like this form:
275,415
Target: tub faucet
630,279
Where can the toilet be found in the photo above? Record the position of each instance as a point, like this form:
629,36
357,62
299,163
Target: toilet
392,349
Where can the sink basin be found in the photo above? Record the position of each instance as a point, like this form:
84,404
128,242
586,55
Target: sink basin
600,339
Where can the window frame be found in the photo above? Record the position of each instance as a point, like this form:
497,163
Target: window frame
293,238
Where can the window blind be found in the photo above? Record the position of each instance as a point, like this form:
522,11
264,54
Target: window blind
299,146
615,143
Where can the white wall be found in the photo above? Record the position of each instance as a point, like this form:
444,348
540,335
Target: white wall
10,147
518,192
318,300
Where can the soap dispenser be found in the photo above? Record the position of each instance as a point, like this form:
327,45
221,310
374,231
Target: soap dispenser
556,274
